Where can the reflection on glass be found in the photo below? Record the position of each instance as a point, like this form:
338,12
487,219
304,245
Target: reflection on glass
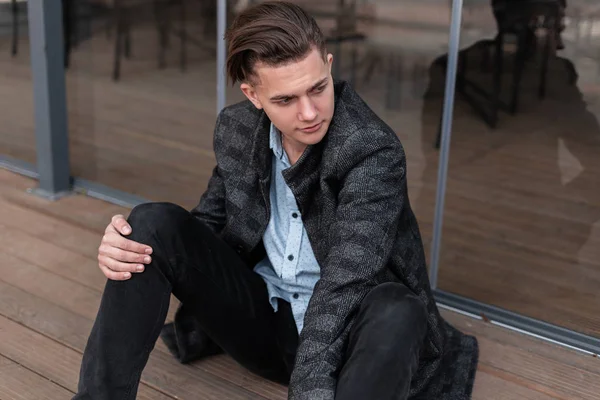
385,48
17,135
522,218
142,96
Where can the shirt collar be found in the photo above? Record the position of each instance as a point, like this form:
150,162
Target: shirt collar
275,142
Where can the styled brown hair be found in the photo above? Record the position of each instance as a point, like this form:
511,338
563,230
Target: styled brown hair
273,33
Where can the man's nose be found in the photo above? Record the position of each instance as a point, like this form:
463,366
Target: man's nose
307,111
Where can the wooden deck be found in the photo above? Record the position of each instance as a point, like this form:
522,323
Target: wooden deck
50,288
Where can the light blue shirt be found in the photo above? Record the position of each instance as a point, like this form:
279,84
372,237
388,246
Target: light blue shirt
290,268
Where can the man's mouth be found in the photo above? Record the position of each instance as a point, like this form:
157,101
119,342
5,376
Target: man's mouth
312,128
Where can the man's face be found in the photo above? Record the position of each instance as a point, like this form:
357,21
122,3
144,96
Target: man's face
297,97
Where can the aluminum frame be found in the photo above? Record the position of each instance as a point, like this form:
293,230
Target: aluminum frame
447,114
221,26
78,185
521,323
49,95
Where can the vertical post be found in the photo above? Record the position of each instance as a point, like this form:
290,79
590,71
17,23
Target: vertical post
453,48
50,107
221,26
15,26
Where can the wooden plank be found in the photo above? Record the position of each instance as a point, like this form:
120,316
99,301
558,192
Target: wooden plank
556,379
19,383
70,265
515,358
82,211
162,370
72,330
20,247
79,264
523,343
48,358
82,303
488,385
77,239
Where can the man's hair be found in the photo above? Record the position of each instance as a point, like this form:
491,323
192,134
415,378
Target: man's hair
274,33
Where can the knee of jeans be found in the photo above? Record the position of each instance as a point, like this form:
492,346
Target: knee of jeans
394,306
149,219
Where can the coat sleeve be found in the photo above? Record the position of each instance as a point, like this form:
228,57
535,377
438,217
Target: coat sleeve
211,208
370,203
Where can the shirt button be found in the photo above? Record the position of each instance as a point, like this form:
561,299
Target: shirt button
295,215
296,295
290,257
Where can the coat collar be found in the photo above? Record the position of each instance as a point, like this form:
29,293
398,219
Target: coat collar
260,154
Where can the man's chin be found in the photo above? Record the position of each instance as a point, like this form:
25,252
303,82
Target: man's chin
317,136
314,138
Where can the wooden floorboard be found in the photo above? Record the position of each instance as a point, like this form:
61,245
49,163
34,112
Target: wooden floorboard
46,357
20,383
50,290
35,291
79,303
491,385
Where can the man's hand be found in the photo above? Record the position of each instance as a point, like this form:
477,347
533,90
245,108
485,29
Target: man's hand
119,257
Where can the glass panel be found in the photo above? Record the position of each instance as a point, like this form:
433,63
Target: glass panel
17,127
522,218
149,132
386,49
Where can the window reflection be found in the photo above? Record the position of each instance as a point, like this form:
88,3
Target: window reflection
522,216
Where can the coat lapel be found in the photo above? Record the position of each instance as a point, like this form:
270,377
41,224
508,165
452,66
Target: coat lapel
250,220
261,157
303,177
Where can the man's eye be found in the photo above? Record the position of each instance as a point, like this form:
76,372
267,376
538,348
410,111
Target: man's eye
320,89
285,101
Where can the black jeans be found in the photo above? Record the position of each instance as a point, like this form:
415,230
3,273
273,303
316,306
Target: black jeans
231,304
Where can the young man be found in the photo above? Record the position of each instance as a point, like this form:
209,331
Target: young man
303,259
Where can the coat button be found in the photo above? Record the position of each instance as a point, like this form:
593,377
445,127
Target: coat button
296,295
291,257
295,215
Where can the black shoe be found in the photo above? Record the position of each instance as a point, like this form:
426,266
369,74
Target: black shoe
188,346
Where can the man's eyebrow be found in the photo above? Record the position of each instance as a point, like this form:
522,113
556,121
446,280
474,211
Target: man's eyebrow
282,97
287,96
320,83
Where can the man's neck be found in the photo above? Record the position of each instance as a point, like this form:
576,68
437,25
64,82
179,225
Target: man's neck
293,151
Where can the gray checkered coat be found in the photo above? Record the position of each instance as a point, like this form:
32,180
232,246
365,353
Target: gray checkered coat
351,190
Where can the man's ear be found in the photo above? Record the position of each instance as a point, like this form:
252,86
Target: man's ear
330,61
250,92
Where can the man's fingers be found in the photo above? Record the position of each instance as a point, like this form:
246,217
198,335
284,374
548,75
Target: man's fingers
120,224
118,266
116,240
114,276
119,257
123,255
